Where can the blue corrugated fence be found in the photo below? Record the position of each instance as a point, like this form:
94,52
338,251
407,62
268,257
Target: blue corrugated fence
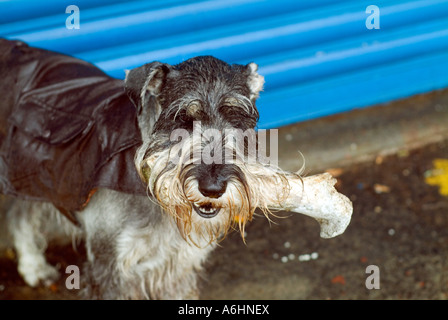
317,56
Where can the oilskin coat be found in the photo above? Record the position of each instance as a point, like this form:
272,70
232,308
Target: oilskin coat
66,129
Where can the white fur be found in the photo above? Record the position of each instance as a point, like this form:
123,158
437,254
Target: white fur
255,81
32,225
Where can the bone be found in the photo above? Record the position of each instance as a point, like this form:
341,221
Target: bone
314,196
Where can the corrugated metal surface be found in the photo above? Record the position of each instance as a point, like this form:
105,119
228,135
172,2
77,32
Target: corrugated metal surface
318,56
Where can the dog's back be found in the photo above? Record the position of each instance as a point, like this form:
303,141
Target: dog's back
59,122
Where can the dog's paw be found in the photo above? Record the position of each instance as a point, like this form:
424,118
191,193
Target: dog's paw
36,271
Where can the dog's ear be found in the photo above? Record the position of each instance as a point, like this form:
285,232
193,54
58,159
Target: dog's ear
255,81
145,83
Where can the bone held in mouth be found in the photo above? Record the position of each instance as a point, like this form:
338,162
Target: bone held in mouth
314,196
272,189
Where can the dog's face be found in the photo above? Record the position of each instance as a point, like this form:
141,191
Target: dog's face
197,120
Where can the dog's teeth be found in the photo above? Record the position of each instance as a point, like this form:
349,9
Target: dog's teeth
206,211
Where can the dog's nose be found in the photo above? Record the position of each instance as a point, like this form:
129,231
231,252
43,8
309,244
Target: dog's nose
212,188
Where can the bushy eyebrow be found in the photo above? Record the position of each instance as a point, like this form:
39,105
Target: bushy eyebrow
241,101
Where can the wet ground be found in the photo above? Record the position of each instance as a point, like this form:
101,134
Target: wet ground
399,225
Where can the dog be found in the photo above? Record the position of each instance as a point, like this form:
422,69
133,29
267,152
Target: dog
150,211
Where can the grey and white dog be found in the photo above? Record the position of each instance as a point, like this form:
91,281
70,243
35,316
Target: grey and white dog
200,185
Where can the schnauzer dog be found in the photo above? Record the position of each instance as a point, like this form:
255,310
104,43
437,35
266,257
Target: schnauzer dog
195,122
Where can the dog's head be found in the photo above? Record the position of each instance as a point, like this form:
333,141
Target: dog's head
197,122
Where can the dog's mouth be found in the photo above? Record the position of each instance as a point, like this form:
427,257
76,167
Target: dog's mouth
206,210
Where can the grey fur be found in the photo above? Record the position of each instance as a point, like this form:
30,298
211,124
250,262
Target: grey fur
136,252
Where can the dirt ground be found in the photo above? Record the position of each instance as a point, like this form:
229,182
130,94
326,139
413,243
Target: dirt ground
399,224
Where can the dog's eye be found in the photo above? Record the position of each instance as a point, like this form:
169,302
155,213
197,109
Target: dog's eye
194,109
237,117
184,118
232,112
229,111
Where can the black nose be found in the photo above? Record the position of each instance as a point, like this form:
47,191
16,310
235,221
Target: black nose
212,188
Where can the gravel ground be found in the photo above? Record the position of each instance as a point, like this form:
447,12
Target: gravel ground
399,224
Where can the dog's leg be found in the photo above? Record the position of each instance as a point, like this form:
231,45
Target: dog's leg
24,222
101,224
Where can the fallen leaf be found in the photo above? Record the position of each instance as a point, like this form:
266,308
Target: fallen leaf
438,176
53,287
338,279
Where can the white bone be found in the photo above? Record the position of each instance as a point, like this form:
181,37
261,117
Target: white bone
316,197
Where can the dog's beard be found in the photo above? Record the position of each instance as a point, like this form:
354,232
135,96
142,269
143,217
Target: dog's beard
203,219
171,182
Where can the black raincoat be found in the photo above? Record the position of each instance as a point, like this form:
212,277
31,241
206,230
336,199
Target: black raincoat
66,129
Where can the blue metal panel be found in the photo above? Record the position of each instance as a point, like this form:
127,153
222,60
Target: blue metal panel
20,10
318,56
